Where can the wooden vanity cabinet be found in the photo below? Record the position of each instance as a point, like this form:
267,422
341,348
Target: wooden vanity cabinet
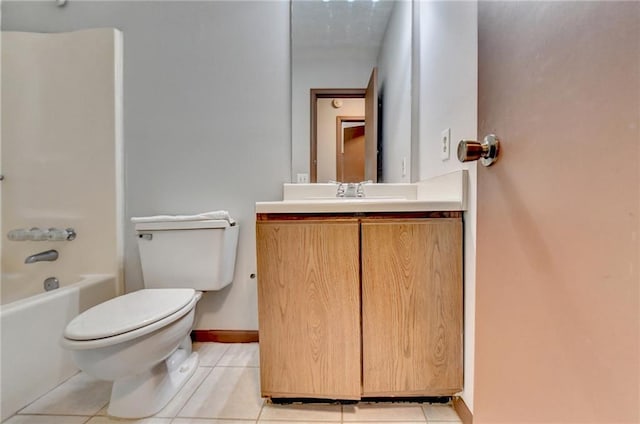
309,308
411,307
353,307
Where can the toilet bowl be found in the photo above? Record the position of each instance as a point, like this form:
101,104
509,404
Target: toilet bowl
147,354
141,340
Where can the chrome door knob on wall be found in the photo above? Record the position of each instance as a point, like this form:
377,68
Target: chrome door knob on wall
487,151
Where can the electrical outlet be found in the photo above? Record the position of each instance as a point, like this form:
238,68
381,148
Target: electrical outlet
302,178
445,144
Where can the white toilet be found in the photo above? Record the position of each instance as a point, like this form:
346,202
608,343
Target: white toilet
141,340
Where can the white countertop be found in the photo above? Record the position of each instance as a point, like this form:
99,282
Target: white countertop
443,193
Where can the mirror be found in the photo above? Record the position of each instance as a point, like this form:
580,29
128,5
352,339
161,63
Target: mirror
350,149
335,45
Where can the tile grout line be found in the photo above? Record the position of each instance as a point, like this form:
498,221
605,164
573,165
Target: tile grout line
88,417
19,412
103,406
124,421
264,402
244,419
236,366
50,414
223,353
424,412
210,368
226,348
194,392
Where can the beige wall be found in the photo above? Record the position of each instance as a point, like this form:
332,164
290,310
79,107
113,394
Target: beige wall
61,154
557,312
327,133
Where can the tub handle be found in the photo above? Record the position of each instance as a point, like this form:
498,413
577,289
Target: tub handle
39,234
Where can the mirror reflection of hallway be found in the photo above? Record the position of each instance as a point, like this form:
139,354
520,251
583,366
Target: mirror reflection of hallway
350,150
327,105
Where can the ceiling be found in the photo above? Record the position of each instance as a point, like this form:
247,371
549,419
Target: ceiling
339,23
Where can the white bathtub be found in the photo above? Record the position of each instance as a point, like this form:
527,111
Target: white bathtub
32,361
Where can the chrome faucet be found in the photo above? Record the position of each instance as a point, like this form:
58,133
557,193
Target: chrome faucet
350,189
48,255
360,190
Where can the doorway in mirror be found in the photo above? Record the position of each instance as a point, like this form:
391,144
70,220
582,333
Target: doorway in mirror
331,108
350,150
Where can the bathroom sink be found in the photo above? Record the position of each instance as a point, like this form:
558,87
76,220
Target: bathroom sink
443,193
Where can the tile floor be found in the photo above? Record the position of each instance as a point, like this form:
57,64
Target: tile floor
224,390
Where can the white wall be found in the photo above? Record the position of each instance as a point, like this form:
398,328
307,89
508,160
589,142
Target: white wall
394,85
448,99
321,68
1,226
206,117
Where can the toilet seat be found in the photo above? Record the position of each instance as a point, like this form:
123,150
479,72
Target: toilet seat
127,317
127,313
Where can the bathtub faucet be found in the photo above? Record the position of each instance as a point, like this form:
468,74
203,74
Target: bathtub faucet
48,255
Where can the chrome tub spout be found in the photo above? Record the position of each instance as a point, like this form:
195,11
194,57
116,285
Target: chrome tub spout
48,255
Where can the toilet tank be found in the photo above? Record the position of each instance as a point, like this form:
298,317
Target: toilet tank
187,254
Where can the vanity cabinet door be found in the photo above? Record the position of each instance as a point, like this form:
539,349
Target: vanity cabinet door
309,308
412,307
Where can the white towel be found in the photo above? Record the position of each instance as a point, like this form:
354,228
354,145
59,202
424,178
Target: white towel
199,217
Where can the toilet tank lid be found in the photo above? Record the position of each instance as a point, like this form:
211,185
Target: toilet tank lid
127,313
182,225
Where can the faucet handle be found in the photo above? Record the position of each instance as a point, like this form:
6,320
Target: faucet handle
360,191
341,188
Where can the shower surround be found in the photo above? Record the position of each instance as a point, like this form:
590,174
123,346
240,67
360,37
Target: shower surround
62,165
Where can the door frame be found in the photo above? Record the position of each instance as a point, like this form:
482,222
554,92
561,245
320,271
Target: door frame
324,93
340,139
